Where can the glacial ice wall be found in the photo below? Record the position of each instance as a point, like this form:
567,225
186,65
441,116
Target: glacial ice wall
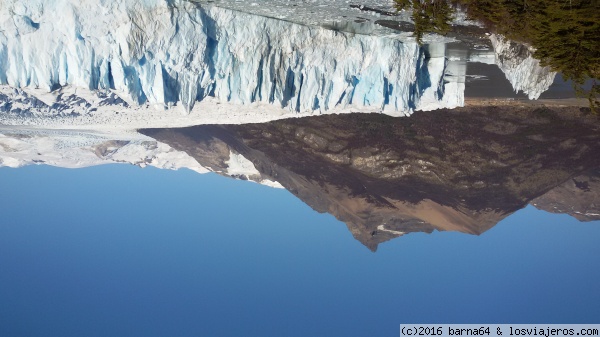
522,71
170,52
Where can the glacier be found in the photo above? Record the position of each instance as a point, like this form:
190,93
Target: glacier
524,72
157,57
79,149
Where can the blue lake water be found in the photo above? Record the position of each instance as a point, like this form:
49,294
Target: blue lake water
118,250
368,229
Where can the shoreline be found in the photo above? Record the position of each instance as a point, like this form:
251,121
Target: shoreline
556,102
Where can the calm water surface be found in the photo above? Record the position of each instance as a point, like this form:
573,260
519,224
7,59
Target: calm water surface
115,250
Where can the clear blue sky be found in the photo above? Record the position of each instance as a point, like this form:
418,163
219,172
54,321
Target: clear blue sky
123,251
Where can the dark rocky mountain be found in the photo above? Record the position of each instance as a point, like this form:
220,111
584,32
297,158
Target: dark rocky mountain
579,197
461,170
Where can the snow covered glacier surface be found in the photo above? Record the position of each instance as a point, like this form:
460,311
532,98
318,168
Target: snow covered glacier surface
157,55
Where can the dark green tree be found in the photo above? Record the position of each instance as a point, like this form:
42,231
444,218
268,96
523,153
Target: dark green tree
429,16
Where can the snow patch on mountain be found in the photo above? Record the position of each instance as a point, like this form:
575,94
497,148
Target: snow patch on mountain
77,149
82,149
240,167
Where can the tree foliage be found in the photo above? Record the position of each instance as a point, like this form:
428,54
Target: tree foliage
565,34
429,16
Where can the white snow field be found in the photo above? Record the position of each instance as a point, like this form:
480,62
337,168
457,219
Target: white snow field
125,64
77,149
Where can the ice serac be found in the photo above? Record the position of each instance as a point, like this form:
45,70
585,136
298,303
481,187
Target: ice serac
176,53
522,71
